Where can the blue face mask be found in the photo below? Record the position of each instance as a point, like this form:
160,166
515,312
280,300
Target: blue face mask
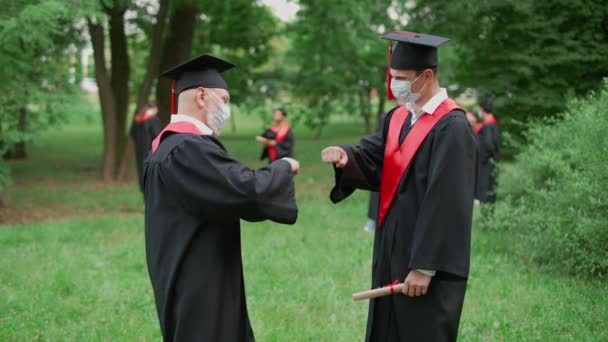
402,90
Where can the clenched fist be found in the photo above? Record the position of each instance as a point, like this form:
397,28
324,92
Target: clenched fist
335,155
295,165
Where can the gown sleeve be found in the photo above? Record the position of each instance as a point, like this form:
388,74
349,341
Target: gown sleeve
216,187
284,147
268,134
442,230
364,167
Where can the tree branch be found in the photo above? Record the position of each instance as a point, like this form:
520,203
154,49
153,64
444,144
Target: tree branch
153,67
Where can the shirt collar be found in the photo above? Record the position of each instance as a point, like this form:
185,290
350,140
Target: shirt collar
431,105
199,124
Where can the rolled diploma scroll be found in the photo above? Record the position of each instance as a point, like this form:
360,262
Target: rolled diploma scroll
379,292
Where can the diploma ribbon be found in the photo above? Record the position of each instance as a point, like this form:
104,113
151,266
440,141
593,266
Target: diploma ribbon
391,286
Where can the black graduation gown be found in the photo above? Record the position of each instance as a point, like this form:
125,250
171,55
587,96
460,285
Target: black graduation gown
373,209
489,154
195,196
142,134
284,148
428,226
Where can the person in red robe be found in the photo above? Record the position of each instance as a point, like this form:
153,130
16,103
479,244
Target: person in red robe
145,127
489,152
474,121
278,140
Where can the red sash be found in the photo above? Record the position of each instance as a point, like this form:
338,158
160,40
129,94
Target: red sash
477,127
175,127
397,158
490,120
139,118
281,134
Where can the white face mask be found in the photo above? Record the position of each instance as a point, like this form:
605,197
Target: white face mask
217,120
402,90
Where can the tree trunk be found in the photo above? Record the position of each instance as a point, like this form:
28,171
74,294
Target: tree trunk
152,71
177,48
365,110
322,119
380,113
126,162
120,80
20,152
106,99
153,67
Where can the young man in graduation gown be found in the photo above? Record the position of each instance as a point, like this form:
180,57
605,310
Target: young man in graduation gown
277,141
489,152
196,195
423,162
145,127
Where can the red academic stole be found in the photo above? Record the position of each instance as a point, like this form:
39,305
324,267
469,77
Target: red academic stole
281,134
490,120
477,127
139,118
175,127
397,158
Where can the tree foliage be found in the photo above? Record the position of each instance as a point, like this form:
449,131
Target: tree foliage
38,45
339,55
552,198
529,54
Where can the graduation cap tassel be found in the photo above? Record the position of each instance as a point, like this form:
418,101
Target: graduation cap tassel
173,104
389,93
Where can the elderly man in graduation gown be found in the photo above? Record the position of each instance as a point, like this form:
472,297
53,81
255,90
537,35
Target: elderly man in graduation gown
196,195
423,161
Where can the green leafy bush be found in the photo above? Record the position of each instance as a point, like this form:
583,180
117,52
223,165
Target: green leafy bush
554,196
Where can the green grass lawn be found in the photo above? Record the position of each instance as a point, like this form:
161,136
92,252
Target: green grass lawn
79,272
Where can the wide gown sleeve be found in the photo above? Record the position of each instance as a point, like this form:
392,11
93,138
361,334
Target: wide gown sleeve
218,188
364,167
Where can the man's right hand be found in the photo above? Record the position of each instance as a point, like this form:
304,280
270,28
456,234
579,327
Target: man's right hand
335,155
295,165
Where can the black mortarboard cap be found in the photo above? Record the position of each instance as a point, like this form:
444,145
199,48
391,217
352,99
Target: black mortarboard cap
414,51
203,71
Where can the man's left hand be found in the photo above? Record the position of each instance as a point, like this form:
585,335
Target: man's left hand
416,284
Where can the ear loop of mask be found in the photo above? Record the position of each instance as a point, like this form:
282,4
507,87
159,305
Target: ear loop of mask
212,116
423,87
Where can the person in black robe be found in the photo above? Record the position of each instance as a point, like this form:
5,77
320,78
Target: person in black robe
489,152
145,127
423,236
196,195
278,140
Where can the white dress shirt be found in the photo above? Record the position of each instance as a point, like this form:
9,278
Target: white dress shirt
196,122
429,107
